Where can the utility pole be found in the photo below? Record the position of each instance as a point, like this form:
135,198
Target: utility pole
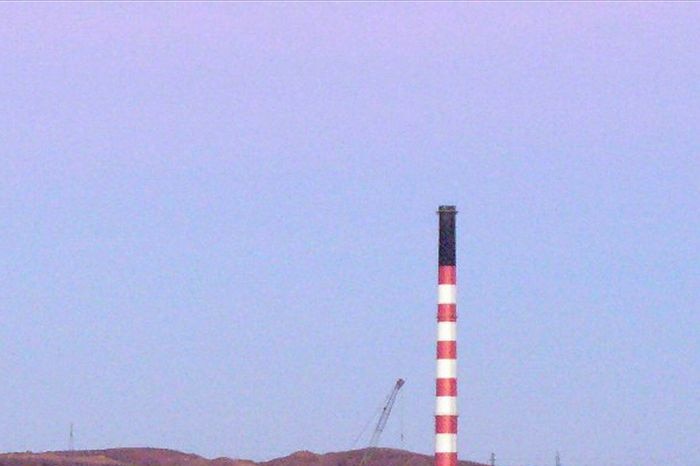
557,460
71,438
493,459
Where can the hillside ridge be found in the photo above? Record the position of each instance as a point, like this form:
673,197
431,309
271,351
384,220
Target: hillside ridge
148,456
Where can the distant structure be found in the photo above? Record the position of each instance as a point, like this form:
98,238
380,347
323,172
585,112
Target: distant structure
71,439
446,373
557,460
492,460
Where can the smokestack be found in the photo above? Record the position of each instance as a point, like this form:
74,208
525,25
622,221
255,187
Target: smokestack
446,376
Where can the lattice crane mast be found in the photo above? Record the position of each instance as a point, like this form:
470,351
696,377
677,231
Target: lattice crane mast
386,411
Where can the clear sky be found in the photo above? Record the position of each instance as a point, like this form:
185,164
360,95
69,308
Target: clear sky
218,229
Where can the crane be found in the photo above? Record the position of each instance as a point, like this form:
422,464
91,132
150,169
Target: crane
383,418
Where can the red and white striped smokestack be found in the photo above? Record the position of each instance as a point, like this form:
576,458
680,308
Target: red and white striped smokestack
446,377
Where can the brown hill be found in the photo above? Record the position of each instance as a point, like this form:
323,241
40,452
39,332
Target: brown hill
109,457
163,457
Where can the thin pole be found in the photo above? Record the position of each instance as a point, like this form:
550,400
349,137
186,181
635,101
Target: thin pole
71,439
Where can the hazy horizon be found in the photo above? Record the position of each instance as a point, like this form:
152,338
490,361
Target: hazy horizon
219,231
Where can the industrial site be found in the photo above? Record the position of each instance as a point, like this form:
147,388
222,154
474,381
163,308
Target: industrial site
365,233
446,415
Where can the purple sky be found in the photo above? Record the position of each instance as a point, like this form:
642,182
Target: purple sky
217,227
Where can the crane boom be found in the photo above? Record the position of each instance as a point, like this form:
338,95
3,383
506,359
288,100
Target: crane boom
386,411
